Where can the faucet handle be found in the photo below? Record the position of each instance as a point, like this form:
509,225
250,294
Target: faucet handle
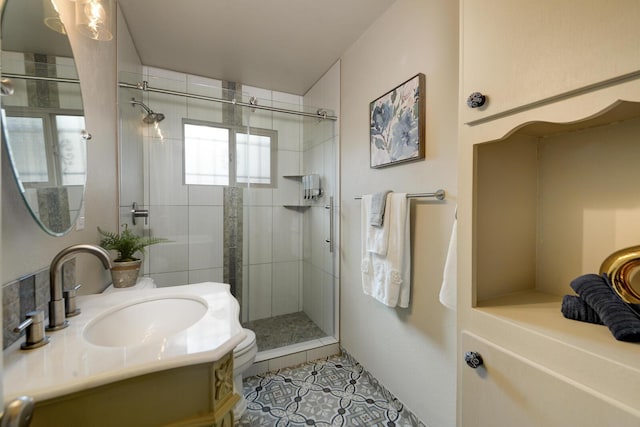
34,325
70,307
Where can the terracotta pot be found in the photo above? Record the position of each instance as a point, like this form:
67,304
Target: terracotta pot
125,274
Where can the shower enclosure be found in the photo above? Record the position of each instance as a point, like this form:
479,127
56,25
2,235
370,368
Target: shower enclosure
243,182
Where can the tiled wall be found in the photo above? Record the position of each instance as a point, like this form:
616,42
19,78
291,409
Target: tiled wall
27,294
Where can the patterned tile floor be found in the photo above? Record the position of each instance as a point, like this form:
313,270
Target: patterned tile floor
332,392
284,330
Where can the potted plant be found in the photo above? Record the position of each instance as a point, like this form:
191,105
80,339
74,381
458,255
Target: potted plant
126,266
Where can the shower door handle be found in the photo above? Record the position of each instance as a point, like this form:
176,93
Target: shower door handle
330,239
139,213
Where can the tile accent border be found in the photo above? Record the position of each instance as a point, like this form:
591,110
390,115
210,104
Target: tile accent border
29,293
232,235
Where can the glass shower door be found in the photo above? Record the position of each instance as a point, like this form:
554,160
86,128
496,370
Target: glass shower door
224,183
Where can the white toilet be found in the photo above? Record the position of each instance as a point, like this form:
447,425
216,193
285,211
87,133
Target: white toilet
243,356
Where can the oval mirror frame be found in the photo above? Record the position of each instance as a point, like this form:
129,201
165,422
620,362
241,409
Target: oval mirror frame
43,126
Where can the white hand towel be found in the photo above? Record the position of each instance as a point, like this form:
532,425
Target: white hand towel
448,291
377,238
387,278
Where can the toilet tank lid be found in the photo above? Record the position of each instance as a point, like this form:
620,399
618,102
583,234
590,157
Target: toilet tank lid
248,342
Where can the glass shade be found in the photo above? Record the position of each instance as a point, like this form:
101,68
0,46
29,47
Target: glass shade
52,17
94,19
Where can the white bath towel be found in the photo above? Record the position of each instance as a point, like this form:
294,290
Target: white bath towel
388,278
448,291
376,238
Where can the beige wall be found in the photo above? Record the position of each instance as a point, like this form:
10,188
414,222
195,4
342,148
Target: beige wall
25,247
411,351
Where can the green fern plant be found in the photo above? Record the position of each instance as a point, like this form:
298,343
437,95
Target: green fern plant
126,243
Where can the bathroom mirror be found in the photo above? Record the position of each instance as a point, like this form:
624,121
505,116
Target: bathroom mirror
42,113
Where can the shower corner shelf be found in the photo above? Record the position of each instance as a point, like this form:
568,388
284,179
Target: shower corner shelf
297,207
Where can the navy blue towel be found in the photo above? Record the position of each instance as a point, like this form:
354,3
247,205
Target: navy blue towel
574,307
618,316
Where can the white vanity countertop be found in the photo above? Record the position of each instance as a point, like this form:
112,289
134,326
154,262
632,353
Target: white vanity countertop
69,363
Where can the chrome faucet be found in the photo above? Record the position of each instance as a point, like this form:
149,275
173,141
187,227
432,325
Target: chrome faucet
57,318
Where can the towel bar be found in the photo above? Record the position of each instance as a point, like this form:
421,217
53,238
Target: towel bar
439,194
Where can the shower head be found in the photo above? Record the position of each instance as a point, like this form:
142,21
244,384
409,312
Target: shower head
151,117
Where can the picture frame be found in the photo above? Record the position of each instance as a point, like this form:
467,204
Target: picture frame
397,124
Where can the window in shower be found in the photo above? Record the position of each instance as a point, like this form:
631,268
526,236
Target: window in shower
216,154
254,154
206,154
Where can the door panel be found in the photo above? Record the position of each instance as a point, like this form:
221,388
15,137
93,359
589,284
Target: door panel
508,390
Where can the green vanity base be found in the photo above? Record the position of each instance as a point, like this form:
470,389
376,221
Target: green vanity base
199,395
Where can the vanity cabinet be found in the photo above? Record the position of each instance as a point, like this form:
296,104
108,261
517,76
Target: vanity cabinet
547,190
520,52
197,395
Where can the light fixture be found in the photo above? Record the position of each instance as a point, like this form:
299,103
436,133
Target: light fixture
94,18
52,17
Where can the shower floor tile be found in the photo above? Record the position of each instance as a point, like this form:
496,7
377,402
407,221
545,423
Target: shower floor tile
336,391
284,330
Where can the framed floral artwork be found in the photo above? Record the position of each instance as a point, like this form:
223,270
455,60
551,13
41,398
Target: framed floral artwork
397,124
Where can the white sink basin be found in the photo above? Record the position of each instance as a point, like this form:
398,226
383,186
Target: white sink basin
144,321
